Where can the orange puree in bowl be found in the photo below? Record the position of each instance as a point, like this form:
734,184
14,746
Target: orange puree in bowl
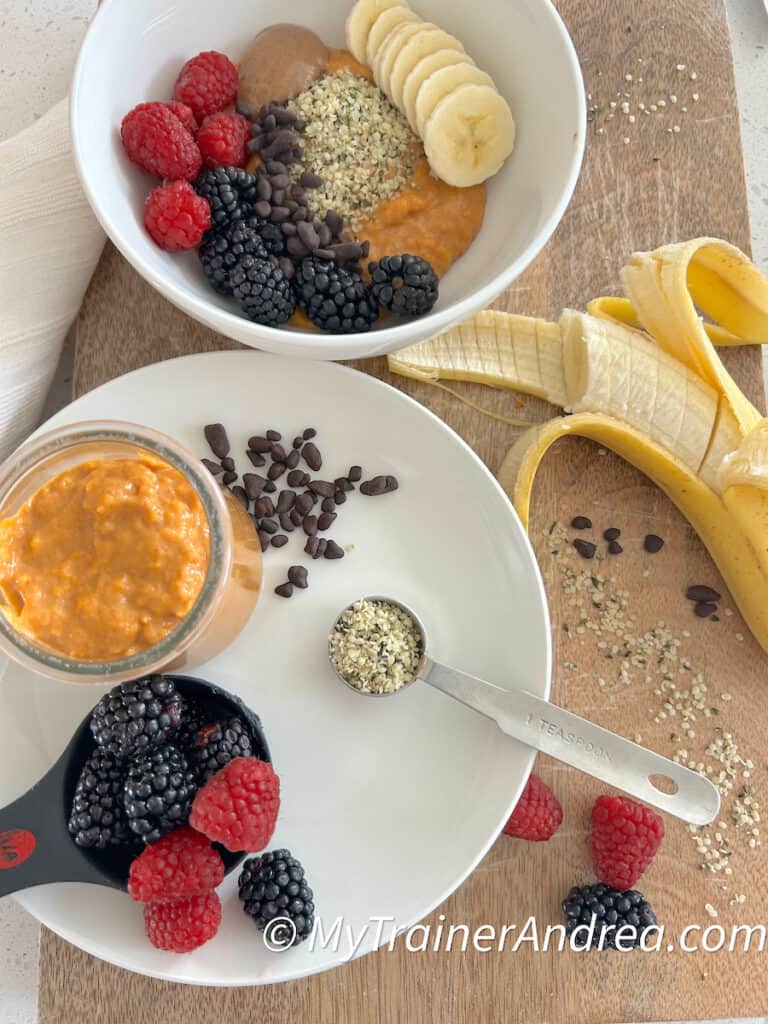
105,559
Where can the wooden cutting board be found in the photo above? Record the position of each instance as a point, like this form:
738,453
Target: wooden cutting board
660,186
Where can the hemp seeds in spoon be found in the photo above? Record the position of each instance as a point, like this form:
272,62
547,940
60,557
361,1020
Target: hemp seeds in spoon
375,646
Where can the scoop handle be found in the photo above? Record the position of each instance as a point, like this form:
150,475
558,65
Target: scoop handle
35,847
582,744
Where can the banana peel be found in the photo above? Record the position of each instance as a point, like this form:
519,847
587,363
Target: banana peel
641,376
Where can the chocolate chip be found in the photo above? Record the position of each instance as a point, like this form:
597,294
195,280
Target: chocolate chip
301,213
324,234
262,209
269,526
284,590
229,478
259,444
313,543
264,188
286,266
309,433
296,248
308,235
279,540
291,204
276,470
347,252
325,520
264,539
254,484
256,460
281,141
279,214
323,254
653,543
217,439
263,507
581,523
340,497
612,533
255,144
614,548
295,478
700,592
585,547
286,522
277,452
332,550
213,467
322,487
304,503
281,181
335,222
310,525
292,460
270,487
296,517
228,464
244,109
239,493
355,474
269,123
311,455
365,249
309,179
328,505
704,609
342,483
321,548
285,501
379,485
283,115
275,167
298,576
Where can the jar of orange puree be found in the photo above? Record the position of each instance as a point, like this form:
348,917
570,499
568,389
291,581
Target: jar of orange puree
119,555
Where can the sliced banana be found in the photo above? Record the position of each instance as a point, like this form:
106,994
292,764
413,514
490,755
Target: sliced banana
361,19
389,50
426,67
440,84
386,21
429,39
469,134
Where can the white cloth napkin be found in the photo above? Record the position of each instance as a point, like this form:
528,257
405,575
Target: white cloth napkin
50,243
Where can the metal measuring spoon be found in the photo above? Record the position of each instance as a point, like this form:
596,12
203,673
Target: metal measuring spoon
35,845
565,736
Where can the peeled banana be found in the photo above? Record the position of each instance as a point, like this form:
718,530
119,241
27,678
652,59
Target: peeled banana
641,376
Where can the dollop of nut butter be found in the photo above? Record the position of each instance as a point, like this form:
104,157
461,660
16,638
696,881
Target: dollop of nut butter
279,64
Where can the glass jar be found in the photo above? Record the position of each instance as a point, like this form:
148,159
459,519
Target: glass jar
234,575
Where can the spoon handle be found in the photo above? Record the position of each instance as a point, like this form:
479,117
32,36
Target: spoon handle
582,744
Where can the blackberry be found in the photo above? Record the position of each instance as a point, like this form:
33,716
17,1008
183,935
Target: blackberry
273,885
263,291
135,716
613,909
405,285
334,298
230,191
97,818
159,789
270,234
193,720
222,250
216,745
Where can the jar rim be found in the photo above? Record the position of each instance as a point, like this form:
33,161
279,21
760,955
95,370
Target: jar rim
32,455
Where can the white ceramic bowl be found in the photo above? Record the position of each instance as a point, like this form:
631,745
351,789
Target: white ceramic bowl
133,53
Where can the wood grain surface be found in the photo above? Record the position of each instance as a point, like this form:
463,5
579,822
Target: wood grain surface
660,187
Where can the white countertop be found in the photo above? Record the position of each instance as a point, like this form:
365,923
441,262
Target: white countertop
39,40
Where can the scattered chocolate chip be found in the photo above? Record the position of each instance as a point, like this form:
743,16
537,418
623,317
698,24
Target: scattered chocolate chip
270,487
264,539
269,123
217,439
284,590
256,460
263,507
614,548
309,179
355,474
262,209
269,526
259,444
213,467
282,141
324,234
339,497
612,533
264,188
309,433
321,548
346,252
285,501
324,254
279,214
308,235
325,520
239,493
287,267
255,144
581,523
274,167
585,547
277,452
296,517
379,485
328,505
276,470
292,460
304,503
653,543
313,543
701,592
228,464
310,525
286,522
254,484
288,229
342,483
332,550
229,478
243,109
311,455
322,487
295,478
704,609
279,540
283,115
296,248
281,181
298,576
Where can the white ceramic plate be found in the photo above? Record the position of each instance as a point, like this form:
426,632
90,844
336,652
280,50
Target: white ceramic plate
390,804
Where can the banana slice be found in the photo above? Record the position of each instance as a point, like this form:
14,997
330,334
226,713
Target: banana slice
429,39
360,21
380,29
440,84
469,134
426,67
388,51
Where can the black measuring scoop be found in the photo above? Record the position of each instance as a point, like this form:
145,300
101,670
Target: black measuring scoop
35,844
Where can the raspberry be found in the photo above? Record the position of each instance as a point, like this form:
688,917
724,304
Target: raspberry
180,865
183,925
156,140
538,813
207,83
222,139
176,216
625,836
185,115
238,806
